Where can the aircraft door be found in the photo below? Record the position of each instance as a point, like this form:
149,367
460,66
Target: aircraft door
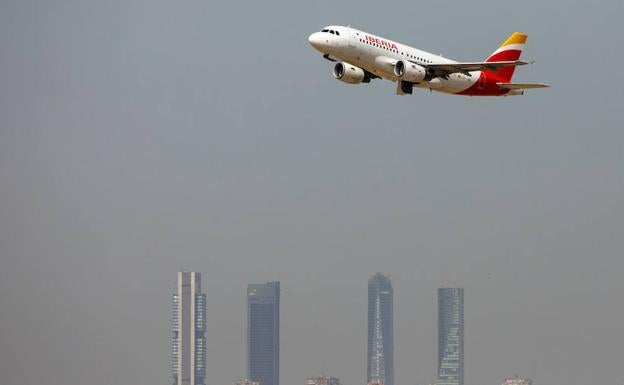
353,39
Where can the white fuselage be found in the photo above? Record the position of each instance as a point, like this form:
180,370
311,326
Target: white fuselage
378,56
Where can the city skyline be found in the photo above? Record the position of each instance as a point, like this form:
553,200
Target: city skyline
380,344
263,312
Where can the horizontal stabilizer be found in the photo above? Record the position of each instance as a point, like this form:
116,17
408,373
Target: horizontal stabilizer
476,66
443,70
520,86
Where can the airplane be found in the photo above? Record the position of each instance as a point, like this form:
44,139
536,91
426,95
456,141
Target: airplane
361,57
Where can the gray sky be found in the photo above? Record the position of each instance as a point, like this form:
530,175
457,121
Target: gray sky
141,137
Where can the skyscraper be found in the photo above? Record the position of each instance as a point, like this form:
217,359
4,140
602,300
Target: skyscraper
188,343
450,336
263,333
380,357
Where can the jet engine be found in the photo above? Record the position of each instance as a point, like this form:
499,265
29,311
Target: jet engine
351,74
409,72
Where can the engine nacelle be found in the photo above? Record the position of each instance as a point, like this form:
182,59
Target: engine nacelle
409,72
351,74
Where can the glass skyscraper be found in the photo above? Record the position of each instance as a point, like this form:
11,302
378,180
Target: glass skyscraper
450,336
380,355
188,343
263,333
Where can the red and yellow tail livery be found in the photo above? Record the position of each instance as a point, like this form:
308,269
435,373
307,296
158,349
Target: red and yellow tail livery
510,50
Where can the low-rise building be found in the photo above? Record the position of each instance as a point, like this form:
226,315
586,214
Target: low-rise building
323,380
248,382
515,380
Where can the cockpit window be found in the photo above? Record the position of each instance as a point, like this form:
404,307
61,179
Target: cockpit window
333,32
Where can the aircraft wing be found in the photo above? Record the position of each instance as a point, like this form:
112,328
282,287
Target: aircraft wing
445,69
520,86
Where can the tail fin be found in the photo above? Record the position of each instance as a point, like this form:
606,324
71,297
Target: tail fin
510,50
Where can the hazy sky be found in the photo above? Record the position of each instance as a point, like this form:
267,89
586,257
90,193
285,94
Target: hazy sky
142,137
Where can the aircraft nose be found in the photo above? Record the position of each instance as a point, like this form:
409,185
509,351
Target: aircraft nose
316,40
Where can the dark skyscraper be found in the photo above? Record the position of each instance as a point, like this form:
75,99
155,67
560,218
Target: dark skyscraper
450,336
263,333
380,357
188,343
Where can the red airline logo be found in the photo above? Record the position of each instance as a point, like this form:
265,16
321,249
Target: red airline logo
381,42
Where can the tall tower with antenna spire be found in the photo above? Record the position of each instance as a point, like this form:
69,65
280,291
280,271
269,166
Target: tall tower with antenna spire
380,357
